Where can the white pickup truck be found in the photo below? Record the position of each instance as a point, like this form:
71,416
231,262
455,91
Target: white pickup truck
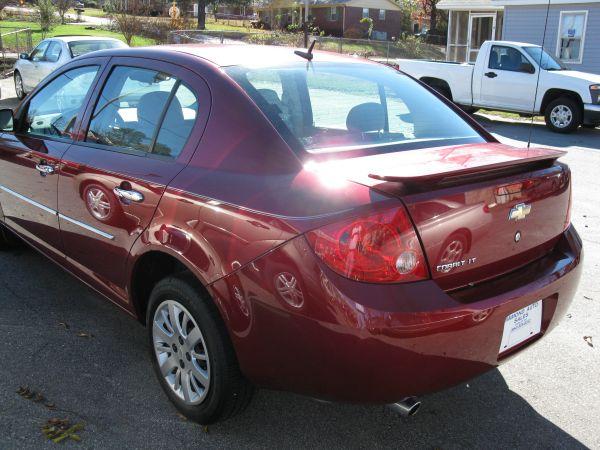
505,77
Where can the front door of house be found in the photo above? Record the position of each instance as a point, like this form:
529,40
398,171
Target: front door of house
482,27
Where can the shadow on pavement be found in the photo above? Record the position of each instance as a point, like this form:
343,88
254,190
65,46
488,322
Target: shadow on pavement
540,135
106,381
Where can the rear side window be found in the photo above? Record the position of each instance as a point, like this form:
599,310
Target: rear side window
144,110
53,52
54,109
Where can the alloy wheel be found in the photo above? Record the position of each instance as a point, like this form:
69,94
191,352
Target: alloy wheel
181,352
561,116
19,86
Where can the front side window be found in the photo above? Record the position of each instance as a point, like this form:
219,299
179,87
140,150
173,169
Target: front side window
365,13
330,107
38,53
571,35
54,109
133,105
382,14
508,58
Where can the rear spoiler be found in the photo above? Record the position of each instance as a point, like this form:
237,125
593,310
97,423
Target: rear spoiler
473,173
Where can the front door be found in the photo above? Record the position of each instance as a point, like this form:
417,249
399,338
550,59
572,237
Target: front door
30,156
482,27
134,143
508,80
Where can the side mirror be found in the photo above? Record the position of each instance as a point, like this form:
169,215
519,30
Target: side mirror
23,55
6,120
527,68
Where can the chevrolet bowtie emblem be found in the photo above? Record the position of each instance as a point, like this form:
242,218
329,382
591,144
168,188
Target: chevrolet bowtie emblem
519,212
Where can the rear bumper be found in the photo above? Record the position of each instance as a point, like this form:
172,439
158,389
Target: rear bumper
362,342
591,114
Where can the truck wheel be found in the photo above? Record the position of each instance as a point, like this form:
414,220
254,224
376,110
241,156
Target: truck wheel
192,354
563,115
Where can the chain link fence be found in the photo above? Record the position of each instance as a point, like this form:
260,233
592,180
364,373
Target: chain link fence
408,47
13,40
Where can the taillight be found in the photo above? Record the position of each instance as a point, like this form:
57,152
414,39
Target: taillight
381,248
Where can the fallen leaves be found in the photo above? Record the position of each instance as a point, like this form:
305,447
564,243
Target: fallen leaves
37,397
588,340
85,334
57,430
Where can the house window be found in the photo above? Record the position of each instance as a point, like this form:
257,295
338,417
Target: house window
365,14
571,36
333,14
382,14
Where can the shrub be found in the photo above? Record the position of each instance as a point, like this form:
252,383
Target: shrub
46,16
354,33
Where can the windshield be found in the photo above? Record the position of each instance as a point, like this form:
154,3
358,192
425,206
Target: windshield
79,48
333,107
544,59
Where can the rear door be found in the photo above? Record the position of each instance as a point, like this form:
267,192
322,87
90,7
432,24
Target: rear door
508,80
30,156
138,135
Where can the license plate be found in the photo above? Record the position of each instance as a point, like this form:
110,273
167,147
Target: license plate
521,325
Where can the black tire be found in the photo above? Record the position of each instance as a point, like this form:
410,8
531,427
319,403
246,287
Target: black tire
8,240
229,392
20,92
573,109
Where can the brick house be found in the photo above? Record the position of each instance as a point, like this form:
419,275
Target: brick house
337,17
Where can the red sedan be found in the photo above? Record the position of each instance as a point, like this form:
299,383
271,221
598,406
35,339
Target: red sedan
308,222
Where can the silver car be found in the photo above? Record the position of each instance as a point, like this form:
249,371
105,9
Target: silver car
52,53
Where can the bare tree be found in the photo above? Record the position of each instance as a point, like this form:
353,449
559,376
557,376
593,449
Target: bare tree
127,18
62,6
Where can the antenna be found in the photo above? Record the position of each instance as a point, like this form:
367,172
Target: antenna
306,55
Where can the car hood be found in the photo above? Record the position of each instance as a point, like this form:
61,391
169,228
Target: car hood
584,76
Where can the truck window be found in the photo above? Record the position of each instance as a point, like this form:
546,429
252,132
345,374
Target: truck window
508,58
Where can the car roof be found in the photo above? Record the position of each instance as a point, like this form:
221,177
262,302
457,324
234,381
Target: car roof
71,38
225,55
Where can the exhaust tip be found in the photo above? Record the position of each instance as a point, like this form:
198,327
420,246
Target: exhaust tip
406,407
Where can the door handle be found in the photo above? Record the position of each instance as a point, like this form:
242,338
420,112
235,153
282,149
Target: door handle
129,195
44,169
491,74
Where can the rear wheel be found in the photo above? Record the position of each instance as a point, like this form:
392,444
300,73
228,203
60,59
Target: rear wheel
563,115
192,354
19,87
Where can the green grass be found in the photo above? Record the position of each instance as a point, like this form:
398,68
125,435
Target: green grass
36,32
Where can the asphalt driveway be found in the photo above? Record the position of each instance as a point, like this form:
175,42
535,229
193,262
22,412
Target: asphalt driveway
91,362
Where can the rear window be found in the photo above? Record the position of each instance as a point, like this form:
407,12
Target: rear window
328,107
79,48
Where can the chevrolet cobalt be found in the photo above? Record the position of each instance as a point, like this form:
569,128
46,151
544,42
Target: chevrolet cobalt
292,220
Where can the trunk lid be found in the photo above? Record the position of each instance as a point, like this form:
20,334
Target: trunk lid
480,210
